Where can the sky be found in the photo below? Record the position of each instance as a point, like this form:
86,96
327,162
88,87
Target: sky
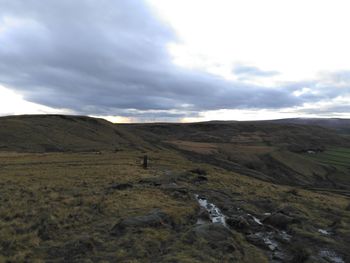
175,60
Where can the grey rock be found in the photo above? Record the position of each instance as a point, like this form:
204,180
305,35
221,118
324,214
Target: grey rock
279,220
123,186
239,223
204,215
155,218
263,240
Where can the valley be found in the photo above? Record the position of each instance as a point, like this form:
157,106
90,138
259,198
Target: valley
73,189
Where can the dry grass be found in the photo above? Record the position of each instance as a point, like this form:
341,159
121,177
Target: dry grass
197,147
60,207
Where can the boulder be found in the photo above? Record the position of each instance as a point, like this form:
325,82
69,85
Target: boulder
177,192
199,179
123,186
155,218
239,223
263,240
204,216
279,220
199,171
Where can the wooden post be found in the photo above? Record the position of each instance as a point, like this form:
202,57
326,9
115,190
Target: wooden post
145,162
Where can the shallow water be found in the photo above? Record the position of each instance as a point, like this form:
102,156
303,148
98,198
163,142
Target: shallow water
268,240
331,256
215,214
256,220
324,232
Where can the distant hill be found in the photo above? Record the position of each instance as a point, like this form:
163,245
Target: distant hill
268,150
270,133
57,133
341,125
52,133
276,151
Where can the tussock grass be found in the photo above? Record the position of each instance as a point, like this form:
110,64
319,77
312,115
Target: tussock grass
60,207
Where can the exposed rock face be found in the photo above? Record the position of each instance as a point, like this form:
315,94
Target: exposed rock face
155,218
204,216
263,240
239,223
279,220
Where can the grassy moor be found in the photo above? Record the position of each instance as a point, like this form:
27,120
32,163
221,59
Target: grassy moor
73,189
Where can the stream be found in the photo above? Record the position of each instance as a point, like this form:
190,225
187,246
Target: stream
268,238
272,239
215,214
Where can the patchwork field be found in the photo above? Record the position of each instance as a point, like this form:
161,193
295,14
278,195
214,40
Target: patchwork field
339,157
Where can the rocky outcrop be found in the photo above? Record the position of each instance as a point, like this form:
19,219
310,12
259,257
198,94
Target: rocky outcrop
155,218
280,220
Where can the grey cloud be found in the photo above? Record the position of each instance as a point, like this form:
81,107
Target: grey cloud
331,110
249,71
110,58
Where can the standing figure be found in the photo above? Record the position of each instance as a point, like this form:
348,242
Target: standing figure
145,162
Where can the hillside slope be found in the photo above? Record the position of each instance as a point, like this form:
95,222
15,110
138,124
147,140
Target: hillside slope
59,133
274,152
341,125
248,133
199,200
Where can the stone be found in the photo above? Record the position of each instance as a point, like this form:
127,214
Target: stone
263,240
200,179
122,186
204,215
155,218
239,223
199,171
279,220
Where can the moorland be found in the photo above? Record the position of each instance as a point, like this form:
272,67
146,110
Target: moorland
73,189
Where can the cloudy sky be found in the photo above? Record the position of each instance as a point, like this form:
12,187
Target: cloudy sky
175,60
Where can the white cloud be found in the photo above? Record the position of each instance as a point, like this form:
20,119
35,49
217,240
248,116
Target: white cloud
116,119
12,103
233,59
296,38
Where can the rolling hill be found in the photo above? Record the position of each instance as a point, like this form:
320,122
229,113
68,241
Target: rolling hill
273,151
270,151
73,190
340,125
59,133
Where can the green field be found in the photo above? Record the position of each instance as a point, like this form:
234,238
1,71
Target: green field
338,157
